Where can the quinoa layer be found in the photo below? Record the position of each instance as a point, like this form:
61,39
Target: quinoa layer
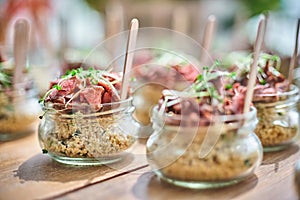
86,138
224,162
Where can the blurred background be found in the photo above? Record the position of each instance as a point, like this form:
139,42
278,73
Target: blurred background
66,30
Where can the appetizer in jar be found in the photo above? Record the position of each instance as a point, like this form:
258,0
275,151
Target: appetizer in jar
275,100
85,122
201,137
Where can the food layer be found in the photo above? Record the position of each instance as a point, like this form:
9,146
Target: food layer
231,157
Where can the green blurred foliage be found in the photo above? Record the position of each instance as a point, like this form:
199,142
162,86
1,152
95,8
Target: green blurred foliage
256,7
98,5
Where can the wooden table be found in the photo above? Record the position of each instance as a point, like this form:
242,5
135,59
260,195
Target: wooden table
26,173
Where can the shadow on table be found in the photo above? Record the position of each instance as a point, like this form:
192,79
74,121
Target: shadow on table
149,186
275,157
42,168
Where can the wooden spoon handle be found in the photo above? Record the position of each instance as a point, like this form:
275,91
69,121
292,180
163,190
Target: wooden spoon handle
21,44
207,38
253,68
294,57
131,42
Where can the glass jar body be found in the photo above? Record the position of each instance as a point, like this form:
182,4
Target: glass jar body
88,139
278,125
19,111
149,83
218,155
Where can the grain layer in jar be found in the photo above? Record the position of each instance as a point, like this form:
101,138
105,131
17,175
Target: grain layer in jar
275,100
85,122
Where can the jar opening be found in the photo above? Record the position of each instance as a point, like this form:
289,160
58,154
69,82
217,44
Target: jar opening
280,100
294,91
88,109
188,120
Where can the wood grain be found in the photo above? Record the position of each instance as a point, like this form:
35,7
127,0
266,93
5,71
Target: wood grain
273,180
26,173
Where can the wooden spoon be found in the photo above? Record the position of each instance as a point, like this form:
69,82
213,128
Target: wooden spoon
294,57
253,68
20,49
131,42
207,37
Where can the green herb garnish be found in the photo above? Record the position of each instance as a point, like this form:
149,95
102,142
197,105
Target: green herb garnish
233,75
58,87
205,68
228,86
199,77
263,82
5,77
94,77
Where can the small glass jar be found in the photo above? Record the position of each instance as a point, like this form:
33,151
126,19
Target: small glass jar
83,137
19,111
204,156
278,117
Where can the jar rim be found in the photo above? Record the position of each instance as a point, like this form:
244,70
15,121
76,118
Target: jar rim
106,108
215,118
294,90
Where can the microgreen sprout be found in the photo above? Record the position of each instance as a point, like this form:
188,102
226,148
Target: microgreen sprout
228,86
5,77
204,86
266,62
94,76
58,87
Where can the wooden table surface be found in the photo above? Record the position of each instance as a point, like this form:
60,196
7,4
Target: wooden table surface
26,173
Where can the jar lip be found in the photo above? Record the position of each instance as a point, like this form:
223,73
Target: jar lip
294,90
215,118
106,108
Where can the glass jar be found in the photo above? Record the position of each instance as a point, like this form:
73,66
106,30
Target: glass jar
151,67
85,137
19,111
204,156
144,99
149,89
278,116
